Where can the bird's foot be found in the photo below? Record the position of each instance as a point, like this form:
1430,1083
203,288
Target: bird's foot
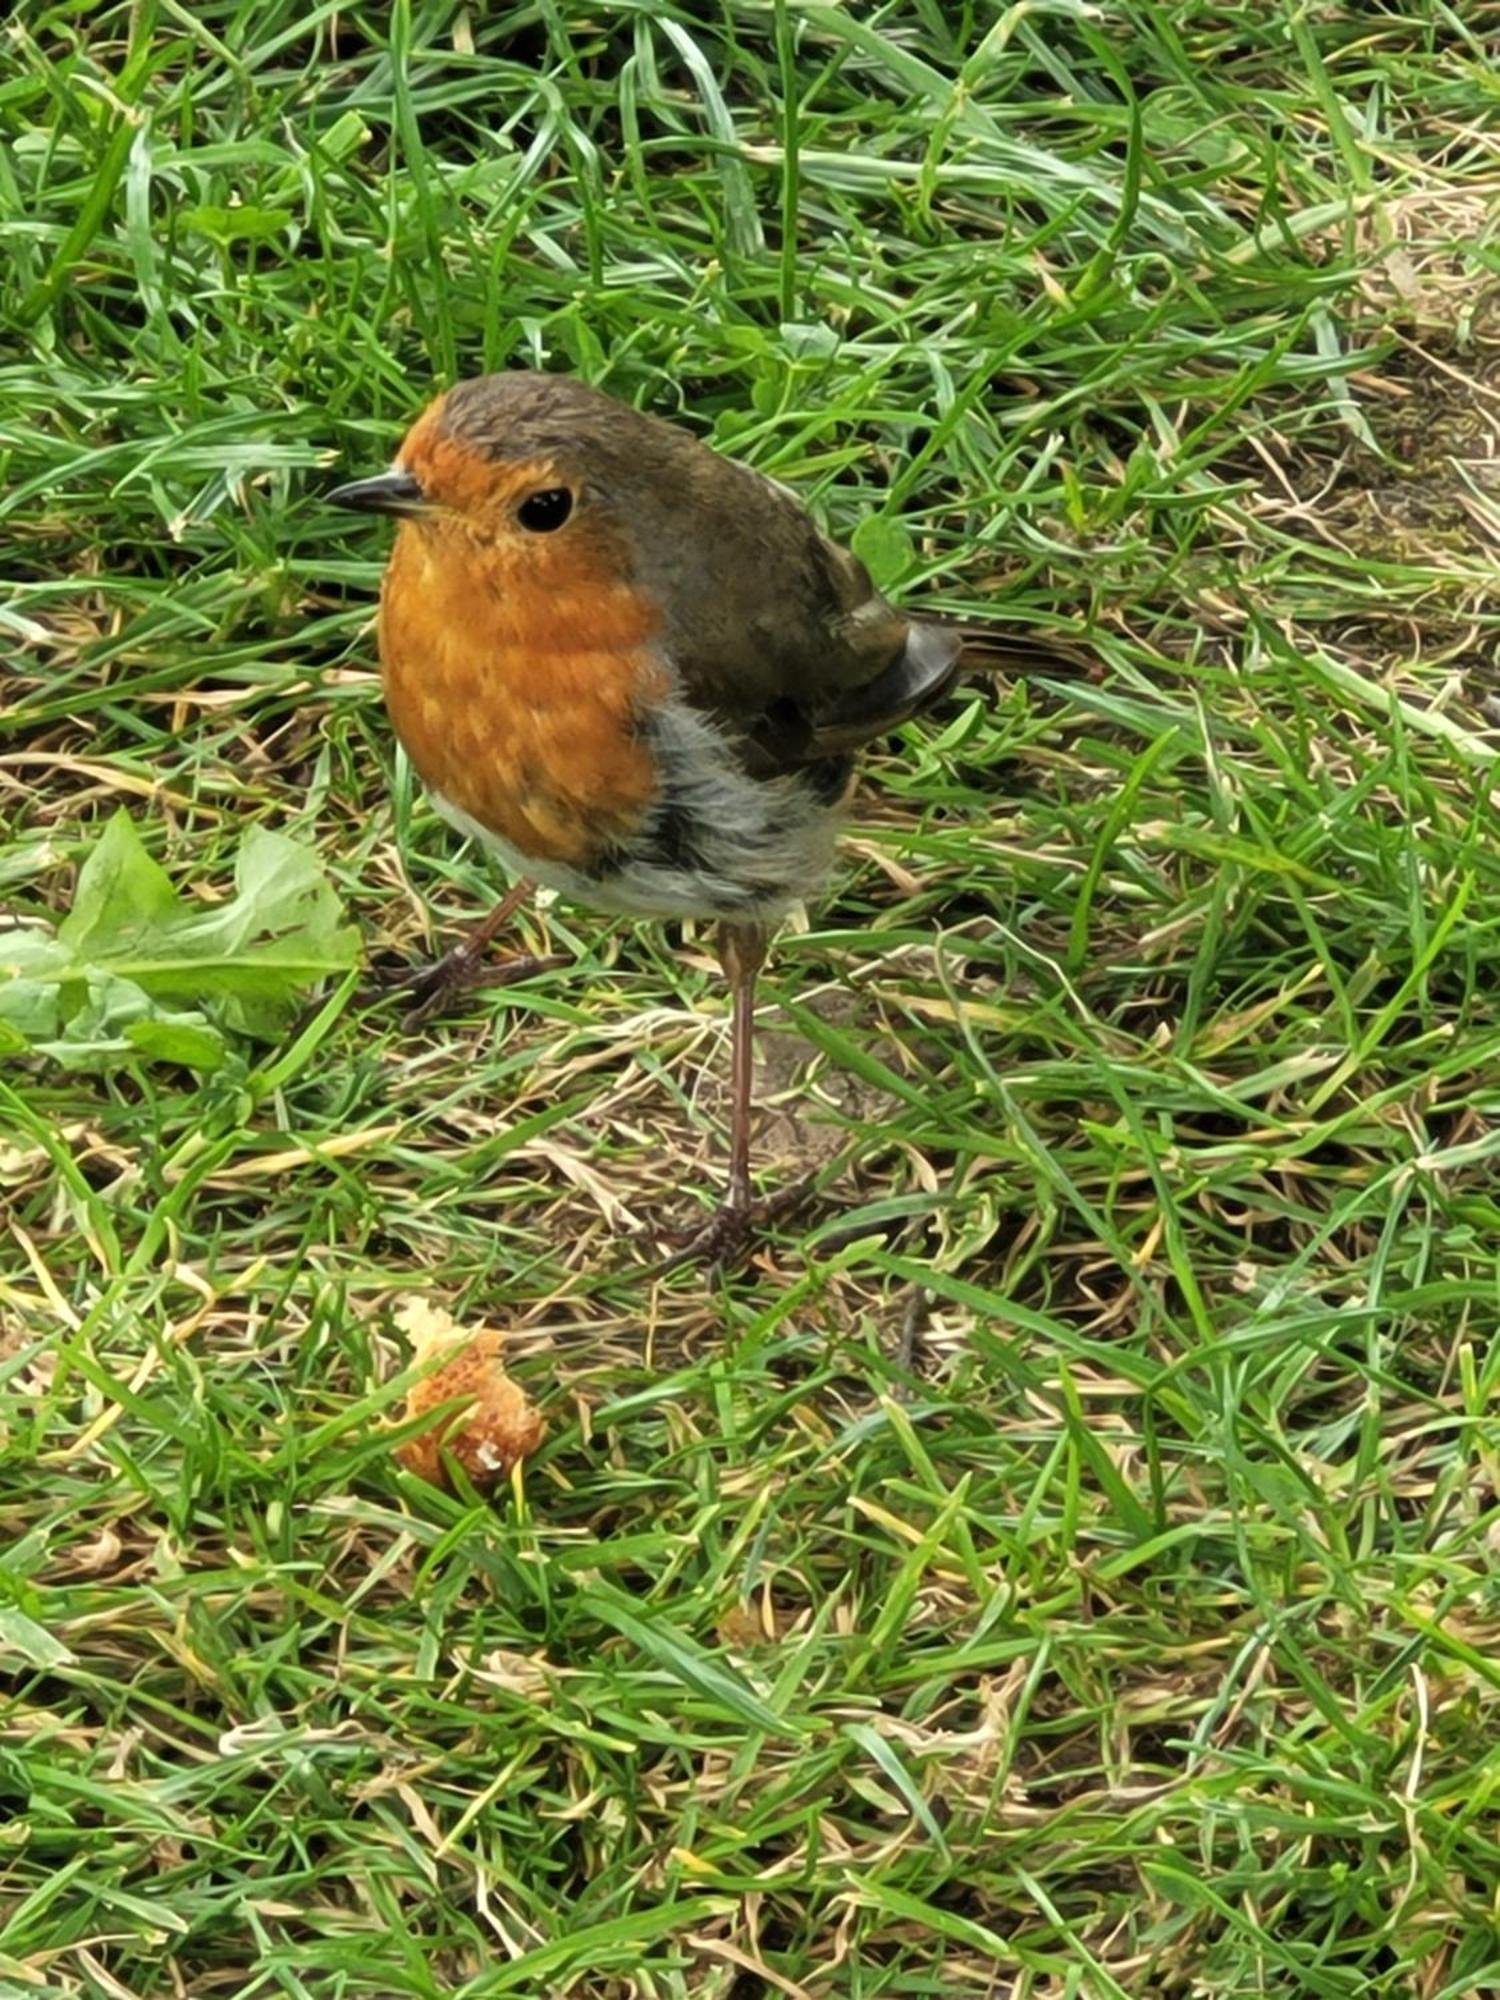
433,987
731,1232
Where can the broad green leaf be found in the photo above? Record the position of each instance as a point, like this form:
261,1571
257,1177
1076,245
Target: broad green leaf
178,1038
137,971
884,547
30,967
117,1018
234,225
123,896
809,340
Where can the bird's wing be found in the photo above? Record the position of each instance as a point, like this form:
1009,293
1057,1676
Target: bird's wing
920,673
778,632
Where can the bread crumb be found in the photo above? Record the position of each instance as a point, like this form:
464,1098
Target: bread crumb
497,1426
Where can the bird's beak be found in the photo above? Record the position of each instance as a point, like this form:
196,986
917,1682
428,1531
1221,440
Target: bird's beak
386,493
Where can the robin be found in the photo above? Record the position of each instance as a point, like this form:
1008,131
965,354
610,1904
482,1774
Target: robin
638,672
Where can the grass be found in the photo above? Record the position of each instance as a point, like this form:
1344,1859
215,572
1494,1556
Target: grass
1124,1621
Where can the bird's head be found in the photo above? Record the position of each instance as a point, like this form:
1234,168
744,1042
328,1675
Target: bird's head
513,462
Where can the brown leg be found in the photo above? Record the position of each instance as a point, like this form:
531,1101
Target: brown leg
432,986
731,1229
742,953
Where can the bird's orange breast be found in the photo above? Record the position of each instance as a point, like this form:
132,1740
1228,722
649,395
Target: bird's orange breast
517,690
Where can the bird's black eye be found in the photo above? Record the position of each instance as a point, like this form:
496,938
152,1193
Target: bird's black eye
543,512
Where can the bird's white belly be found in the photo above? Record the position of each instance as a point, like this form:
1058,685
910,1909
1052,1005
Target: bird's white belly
718,843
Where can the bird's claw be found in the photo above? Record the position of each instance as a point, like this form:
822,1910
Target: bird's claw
731,1232
432,987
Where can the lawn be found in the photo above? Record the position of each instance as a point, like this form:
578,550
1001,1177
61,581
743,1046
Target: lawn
1063,1561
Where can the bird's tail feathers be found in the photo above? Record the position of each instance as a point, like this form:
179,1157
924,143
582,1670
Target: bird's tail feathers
938,653
1019,650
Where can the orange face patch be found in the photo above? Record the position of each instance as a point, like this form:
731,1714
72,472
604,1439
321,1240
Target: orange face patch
456,477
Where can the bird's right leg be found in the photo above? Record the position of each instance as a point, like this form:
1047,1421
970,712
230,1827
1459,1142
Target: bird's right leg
732,1230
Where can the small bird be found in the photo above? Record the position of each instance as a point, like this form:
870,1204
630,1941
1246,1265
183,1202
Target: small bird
638,672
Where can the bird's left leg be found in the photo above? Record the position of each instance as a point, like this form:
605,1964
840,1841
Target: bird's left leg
432,986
